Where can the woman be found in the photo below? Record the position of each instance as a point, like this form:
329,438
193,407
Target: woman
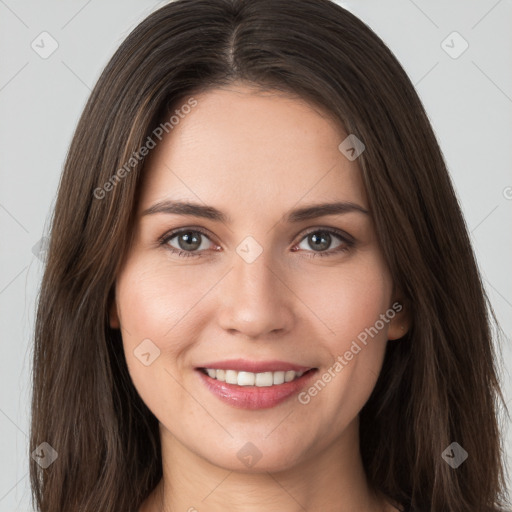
253,292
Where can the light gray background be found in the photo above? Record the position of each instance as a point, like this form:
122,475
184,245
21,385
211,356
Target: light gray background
468,99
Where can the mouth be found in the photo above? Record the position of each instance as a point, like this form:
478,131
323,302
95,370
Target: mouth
253,391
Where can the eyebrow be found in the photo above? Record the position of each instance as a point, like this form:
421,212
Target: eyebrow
209,212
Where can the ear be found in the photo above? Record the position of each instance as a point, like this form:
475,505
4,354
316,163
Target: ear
400,321
113,315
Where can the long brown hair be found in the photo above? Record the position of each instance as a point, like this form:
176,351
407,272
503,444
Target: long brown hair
438,385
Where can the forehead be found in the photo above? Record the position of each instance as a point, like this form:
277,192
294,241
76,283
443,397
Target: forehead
246,148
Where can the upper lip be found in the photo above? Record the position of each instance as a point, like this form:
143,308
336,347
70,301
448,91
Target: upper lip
244,365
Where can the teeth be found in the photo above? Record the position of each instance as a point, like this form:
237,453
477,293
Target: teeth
264,379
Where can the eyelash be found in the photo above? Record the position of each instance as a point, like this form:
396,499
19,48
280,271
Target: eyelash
348,241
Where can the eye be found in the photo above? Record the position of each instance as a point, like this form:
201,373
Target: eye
188,242
321,239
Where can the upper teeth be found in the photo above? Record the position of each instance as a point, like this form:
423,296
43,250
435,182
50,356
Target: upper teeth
253,379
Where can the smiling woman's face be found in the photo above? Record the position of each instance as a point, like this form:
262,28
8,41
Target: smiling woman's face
254,282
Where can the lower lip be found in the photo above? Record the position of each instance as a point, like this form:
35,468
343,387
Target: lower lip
254,397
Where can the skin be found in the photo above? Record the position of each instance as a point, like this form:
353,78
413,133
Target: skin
255,156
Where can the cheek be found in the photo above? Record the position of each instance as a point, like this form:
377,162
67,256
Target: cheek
350,300
163,304
153,306
350,305
153,300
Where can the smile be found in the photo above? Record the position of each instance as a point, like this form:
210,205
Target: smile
247,390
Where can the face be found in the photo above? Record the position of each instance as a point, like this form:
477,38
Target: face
249,279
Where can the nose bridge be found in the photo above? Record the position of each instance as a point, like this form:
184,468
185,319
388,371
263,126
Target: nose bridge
255,277
255,300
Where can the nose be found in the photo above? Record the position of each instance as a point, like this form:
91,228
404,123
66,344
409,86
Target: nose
255,299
